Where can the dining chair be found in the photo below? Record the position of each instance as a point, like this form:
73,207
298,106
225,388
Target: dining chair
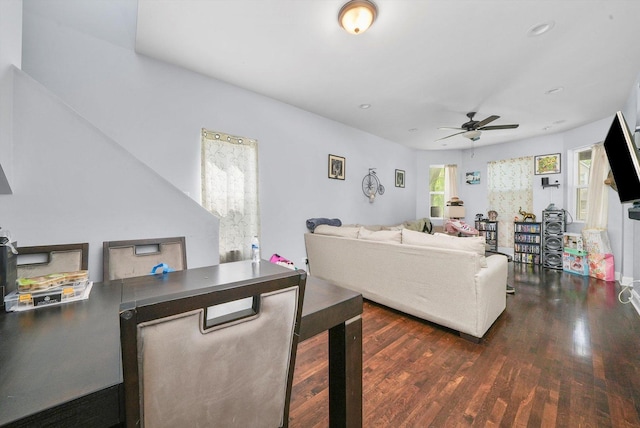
42,260
215,356
137,257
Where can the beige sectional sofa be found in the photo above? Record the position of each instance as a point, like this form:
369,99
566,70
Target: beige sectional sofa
443,279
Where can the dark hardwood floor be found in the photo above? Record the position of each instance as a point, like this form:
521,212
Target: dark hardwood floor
565,353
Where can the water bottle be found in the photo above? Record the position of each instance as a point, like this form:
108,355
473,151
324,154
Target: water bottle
255,250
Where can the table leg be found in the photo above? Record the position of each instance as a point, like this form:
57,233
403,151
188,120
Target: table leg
345,374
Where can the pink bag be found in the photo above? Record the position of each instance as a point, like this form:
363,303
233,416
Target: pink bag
601,266
279,260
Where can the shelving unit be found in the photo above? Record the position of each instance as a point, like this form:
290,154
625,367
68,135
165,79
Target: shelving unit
489,229
527,242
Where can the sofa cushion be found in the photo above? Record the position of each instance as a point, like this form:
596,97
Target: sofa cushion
342,231
419,225
381,235
473,243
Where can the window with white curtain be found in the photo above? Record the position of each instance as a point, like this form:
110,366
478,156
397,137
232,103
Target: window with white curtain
443,184
580,170
230,191
509,184
436,191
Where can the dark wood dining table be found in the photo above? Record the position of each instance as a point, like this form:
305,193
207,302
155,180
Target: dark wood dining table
61,365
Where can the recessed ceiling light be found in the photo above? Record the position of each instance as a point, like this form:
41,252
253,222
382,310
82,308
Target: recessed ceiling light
546,128
540,29
365,106
554,90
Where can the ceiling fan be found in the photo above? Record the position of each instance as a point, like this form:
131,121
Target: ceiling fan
472,129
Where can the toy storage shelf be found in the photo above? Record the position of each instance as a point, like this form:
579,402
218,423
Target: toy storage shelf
527,240
489,229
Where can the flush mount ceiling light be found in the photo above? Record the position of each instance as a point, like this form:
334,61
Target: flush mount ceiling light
356,16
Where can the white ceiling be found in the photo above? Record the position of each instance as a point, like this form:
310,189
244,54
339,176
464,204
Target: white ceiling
422,65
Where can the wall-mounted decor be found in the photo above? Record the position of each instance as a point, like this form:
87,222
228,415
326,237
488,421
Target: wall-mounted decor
371,185
399,178
337,166
547,164
473,177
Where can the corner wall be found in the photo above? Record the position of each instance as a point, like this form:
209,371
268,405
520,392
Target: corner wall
10,55
156,110
74,184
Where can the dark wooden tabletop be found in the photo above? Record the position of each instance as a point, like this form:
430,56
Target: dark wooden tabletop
53,355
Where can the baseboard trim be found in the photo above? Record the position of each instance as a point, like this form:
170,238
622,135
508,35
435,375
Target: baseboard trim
635,300
625,280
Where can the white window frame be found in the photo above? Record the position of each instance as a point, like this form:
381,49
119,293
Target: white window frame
436,192
573,180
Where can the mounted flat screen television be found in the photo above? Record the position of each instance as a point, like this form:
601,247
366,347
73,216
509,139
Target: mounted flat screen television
623,159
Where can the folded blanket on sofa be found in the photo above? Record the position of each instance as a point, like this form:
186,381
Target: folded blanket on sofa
313,222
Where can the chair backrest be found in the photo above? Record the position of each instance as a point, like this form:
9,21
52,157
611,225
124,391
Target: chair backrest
222,356
42,260
126,259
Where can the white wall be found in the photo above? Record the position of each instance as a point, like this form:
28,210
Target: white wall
475,196
74,184
156,112
10,55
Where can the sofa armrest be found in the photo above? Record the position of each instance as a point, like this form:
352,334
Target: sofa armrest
491,283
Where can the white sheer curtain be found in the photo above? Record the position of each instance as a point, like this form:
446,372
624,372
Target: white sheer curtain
230,191
450,182
509,183
597,199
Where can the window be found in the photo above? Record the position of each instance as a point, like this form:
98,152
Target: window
230,191
509,186
436,191
582,162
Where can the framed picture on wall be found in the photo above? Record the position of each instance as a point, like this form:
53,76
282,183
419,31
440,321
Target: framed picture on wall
547,164
473,177
399,178
337,165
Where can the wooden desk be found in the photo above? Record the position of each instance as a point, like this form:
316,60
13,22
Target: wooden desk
61,365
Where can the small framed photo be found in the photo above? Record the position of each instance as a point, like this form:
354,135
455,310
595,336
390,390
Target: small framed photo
473,177
399,178
547,164
337,165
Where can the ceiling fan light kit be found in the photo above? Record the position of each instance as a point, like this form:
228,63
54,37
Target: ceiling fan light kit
473,135
356,16
472,129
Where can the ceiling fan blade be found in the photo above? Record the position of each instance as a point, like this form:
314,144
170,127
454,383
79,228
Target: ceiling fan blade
486,121
451,128
452,135
489,128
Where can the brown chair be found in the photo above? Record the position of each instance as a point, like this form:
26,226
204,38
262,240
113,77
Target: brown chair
190,361
126,259
45,259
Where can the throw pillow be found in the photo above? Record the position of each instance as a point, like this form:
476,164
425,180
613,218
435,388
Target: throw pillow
381,235
473,244
341,231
